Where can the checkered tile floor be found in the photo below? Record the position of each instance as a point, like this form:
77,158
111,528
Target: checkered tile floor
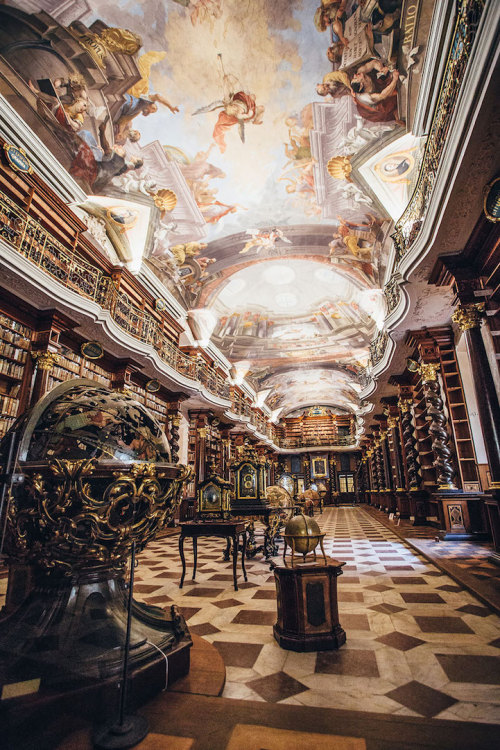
417,643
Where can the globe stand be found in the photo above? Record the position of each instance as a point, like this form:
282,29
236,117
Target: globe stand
126,731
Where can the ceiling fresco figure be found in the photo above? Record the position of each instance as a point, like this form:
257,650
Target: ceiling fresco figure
280,233
238,108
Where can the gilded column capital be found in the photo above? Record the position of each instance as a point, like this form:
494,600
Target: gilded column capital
405,404
428,371
392,422
469,316
45,360
202,432
175,421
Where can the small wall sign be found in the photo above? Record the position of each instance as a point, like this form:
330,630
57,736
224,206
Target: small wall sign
152,386
492,200
92,350
17,159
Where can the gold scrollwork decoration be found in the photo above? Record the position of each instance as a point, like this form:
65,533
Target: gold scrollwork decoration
72,518
469,316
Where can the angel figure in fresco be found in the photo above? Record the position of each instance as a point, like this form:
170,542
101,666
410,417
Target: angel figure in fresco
205,11
263,241
138,100
186,250
238,108
330,14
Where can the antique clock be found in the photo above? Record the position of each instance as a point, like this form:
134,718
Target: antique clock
249,472
214,498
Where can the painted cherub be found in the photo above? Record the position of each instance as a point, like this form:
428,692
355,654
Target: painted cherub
187,250
261,240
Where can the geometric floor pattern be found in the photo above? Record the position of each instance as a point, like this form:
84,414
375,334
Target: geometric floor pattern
417,644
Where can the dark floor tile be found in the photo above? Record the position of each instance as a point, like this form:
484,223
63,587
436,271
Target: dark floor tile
421,698
238,654
276,687
355,622
401,641
474,609
386,609
225,603
495,643
188,612
373,573
410,598
399,567
254,617
408,580
449,587
247,585
221,577
156,600
204,628
147,588
351,596
352,663
264,594
485,670
348,579
378,587
203,591
442,624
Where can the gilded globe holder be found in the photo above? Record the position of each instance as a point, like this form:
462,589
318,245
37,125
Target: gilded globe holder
94,480
302,534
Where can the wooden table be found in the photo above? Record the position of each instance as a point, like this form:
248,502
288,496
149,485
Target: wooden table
229,530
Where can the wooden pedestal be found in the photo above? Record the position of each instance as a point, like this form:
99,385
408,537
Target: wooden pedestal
461,516
308,618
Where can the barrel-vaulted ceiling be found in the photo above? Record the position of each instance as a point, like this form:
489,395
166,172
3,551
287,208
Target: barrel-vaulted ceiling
253,153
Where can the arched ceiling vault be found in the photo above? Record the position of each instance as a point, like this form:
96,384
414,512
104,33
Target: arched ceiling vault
254,155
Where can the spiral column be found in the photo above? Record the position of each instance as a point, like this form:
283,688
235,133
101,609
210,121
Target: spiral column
437,429
410,444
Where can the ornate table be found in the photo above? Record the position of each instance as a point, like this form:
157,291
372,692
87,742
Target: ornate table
229,530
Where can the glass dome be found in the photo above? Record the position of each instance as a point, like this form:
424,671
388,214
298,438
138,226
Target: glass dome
84,419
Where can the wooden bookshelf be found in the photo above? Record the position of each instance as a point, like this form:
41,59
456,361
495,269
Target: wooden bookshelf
73,365
15,342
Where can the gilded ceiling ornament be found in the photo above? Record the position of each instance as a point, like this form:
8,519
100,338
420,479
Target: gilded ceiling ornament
468,316
45,360
122,41
339,167
113,40
165,199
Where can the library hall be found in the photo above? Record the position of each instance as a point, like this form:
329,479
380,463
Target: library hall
249,374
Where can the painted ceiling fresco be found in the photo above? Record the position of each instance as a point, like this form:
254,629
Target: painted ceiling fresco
253,153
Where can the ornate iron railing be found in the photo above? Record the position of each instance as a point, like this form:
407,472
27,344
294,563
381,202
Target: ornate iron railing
29,238
409,225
